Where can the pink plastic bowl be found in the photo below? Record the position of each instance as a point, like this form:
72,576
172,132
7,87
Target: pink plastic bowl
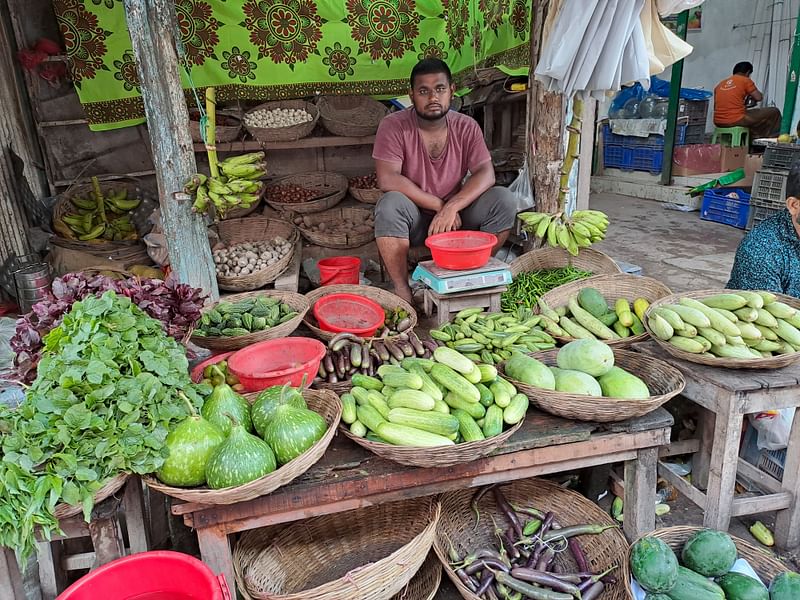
276,362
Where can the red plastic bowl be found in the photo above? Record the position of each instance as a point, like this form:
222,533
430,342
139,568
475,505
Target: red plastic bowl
349,312
197,372
276,362
461,250
158,575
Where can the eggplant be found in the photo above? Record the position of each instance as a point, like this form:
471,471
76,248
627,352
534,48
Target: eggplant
419,349
380,348
396,352
406,347
328,362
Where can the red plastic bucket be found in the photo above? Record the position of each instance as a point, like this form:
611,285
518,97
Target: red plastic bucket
276,362
339,269
159,575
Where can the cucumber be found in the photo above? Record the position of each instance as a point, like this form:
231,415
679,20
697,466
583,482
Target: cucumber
403,380
370,417
358,429
515,411
488,373
367,382
493,421
402,435
455,383
467,426
590,323
474,376
428,385
415,399
453,359
425,420
693,586
378,402
349,409
741,587
441,406
424,363
487,399
360,394
717,320
608,319
689,315
476,409
373,437
384,369
501,396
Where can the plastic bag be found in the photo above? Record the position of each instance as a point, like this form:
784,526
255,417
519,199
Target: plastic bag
773,428
659,87
521,187
620,107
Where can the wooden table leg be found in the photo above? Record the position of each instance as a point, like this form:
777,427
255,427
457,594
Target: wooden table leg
724,464
106,534
52,576
11,586
787,521
133,502
215,551
702,458
640,491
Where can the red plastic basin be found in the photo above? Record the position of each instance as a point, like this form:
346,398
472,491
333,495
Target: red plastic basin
197,372
158,575
276,362
349,312
461,250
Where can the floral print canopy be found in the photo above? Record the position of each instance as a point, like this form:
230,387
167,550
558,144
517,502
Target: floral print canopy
275,49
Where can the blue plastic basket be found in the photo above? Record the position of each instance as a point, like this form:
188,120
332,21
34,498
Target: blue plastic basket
645,158
718,207
652,141
616,157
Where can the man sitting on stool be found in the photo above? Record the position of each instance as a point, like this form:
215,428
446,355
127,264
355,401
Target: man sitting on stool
732,98
422,155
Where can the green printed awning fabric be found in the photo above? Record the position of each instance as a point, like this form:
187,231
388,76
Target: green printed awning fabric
275,49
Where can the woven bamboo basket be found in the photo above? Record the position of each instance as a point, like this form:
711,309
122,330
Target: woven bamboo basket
425,584
330,187
775,362
105,270
590,260
253,229
387,300
109,488
134,188
764,563
435,456
613,287
663,380
338,240
297,301
283,134
323,402
457,526
366,195
223,133
338,388
366,554
351,116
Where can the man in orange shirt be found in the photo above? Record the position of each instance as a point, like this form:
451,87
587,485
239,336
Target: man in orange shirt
731,101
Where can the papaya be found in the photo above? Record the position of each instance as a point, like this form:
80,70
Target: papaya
741,587
785,586
654,565
531,371
589,356
618,383
592,301
709,552
577,382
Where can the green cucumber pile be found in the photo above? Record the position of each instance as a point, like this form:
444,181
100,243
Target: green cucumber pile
218,448
707,554
740,325
231,319
490,338
441,401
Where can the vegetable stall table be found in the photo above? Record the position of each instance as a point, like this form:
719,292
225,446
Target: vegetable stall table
349,477
725,396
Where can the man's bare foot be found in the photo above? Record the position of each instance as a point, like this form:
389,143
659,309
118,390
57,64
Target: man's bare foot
404,293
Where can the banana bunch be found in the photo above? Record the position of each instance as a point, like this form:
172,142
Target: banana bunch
99,217
237,186
579,230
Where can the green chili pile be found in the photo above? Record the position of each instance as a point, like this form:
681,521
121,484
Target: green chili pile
527,288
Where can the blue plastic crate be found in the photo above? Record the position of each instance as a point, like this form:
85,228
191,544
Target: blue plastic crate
645,158
609,137
616,157
718,207
652,141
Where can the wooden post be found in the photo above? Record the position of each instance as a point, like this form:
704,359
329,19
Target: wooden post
152,25
546,116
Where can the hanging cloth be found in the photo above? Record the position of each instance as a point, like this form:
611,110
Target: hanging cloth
673,7
664,47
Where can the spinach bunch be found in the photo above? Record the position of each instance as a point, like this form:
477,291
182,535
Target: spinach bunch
102,403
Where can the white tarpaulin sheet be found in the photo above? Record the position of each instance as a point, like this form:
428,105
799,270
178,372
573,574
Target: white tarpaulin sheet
596,46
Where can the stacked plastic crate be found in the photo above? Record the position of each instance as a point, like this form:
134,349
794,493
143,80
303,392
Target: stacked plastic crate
696,111
633,153
768,195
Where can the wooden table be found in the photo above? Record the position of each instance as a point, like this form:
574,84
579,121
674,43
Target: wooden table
350,477
724,397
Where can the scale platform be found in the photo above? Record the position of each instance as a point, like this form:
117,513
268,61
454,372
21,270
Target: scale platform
444,281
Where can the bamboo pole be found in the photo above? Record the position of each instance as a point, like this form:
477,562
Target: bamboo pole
573,151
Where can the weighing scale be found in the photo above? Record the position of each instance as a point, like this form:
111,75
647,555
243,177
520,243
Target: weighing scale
444,281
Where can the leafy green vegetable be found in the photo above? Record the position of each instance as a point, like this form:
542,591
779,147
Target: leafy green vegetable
104,400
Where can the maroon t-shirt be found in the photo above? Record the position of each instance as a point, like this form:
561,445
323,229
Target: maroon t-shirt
398,141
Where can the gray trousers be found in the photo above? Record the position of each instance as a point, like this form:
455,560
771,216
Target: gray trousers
397,216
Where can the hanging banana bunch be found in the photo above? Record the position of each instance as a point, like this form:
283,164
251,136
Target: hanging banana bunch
580,230
234,182
99,217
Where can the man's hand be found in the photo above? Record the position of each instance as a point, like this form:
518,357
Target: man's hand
447,219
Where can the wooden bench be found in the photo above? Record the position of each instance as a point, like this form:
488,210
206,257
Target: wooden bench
349,477
725,396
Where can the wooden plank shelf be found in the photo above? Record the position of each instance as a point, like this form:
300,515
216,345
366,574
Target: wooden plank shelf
331,141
